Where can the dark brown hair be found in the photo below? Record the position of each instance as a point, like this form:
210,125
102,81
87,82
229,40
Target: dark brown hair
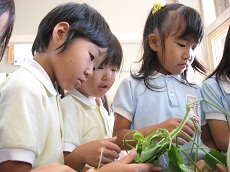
163,22
6,6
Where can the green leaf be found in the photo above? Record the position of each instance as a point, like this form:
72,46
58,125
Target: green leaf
175,160
185,168
214,157
137,136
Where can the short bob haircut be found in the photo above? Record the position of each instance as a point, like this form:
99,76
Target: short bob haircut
84,22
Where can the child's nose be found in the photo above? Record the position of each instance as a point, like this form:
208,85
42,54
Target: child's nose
88,72
107,75
187,55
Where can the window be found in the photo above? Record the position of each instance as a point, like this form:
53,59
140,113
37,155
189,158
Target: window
217,19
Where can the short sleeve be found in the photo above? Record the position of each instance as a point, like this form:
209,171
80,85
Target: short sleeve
22,109
211,91
71,120
125,100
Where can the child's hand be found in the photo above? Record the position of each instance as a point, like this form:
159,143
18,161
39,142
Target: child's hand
201,165
172,123
124,165
53,167
92,151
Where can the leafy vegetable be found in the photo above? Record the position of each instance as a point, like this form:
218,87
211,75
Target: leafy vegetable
151,147
213,158
175,163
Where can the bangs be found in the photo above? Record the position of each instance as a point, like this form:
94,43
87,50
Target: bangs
193,28
114,54
113,59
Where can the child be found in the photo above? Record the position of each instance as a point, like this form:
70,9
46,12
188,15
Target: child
216,89
84,120
122,165
7,13
157,95
72,39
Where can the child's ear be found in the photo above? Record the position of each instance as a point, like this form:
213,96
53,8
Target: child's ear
60,33
153,40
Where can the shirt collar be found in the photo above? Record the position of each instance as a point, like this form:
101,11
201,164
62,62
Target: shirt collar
226,85
156,75
37,70
88,101
177,77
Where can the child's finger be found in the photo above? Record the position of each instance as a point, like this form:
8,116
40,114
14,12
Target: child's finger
113,139
108,156
129,158
190,125
112,147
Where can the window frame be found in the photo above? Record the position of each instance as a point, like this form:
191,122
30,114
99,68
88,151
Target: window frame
216,33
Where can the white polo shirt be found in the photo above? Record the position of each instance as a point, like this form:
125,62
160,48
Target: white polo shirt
30,117
84,121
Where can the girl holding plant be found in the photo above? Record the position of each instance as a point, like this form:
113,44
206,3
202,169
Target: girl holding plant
156,96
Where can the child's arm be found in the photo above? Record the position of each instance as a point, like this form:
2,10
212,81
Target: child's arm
206,137
201,165
122,127
220,133
83,169
15,166
90,153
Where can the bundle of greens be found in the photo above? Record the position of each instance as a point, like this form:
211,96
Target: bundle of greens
151,147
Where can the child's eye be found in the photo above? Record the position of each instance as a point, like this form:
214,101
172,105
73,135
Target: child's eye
114,70
181,45
100,67
91,57
194,48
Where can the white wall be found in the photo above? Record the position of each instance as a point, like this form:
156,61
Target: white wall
125,17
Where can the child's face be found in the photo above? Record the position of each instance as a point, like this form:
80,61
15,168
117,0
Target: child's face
178,56
3,21
75,65
101,81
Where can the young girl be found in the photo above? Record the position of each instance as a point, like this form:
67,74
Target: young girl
216,89
7,13
156,96
84,120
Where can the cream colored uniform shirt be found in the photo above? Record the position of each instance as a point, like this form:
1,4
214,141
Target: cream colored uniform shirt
30,117
84,121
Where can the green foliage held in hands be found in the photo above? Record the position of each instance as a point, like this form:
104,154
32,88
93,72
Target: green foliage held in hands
151,147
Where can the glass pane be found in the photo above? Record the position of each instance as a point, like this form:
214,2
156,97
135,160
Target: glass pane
221,6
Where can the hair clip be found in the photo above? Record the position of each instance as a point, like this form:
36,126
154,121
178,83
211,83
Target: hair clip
156,7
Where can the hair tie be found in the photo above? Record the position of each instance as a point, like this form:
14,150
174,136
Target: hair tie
156,7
